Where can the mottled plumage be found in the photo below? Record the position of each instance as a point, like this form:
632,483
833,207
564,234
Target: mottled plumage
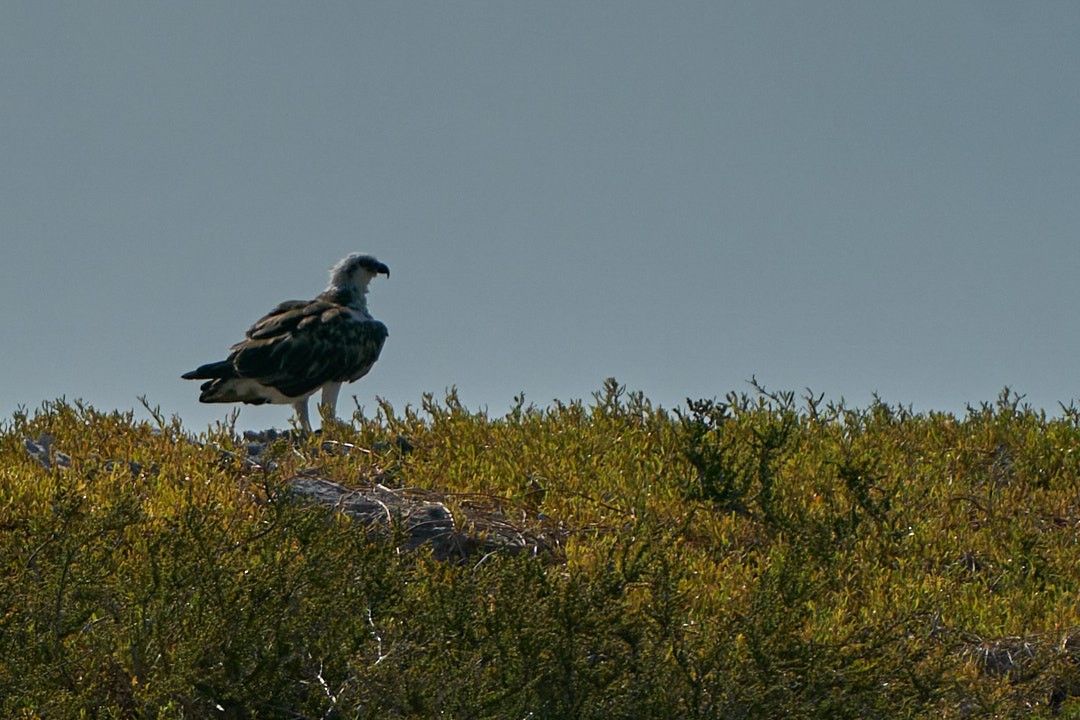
302,346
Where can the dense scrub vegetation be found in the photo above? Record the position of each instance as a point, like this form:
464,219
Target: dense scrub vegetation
757,557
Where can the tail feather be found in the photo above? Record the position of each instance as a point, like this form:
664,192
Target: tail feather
225,385
219,369
228,390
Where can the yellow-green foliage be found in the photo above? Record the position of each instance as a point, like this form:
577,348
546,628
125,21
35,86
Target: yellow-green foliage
762,556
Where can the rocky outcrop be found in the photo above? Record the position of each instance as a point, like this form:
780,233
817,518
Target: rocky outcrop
457,527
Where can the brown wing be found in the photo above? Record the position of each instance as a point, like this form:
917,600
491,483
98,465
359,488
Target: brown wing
284,318
300,346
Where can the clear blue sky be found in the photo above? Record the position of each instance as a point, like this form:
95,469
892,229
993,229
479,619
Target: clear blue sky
851,196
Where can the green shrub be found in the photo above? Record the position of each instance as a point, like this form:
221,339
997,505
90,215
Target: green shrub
751,558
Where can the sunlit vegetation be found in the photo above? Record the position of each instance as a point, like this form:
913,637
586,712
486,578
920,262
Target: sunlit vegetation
763,555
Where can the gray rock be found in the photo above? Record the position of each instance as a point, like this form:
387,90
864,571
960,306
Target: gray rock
425,521
421,521
42,451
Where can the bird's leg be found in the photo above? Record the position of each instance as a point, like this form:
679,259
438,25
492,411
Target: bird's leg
329,399
302,414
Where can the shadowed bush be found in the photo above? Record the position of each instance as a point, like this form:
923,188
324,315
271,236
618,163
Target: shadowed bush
748,558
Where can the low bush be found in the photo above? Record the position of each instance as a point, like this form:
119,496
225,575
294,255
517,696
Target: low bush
753,557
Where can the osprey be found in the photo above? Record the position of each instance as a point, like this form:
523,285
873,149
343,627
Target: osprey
302,346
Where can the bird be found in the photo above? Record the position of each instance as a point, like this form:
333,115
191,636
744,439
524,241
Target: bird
303,346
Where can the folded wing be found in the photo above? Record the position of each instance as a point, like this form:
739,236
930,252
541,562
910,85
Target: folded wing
300,346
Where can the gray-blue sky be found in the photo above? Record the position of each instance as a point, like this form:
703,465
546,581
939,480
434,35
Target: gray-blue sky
851,196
